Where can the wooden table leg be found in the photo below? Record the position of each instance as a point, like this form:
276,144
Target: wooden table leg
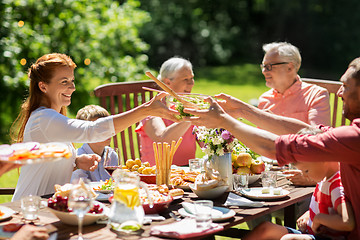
290,216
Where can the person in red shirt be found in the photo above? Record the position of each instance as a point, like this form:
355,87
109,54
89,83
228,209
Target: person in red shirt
329,211
340,144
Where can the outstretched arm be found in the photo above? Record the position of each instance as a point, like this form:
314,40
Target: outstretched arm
154,107
268,121
261,141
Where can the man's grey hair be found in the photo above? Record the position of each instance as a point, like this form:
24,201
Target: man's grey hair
286,51
173,65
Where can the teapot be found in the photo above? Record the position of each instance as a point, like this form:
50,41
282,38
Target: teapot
126,212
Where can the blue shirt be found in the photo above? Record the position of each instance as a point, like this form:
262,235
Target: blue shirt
99,173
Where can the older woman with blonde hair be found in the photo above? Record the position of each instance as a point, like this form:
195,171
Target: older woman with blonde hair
178,74
43,119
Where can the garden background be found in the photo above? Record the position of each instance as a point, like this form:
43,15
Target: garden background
112,41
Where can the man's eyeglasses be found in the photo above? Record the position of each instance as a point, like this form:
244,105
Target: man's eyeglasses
268,67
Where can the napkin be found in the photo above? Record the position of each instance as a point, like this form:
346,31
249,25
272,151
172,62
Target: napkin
184,229
190,208
155,217
236,200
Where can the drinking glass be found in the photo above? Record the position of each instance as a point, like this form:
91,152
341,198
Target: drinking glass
203,209
195,165
241,181
79,202
30,207
268,179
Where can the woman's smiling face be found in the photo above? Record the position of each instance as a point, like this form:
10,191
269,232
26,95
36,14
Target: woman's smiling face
60,88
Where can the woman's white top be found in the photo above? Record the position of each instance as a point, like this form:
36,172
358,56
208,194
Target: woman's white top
46,125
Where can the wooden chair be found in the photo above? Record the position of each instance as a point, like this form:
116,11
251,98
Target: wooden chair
7,191
332,87
120,97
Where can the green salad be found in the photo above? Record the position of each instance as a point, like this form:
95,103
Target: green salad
199,101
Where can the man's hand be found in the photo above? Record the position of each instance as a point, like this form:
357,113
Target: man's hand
210,118
231,105
298,178
88,162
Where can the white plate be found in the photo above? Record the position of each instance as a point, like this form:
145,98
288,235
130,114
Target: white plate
8,212
226,213
97,184
255,193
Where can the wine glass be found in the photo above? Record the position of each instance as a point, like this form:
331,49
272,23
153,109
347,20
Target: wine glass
79,202
108,166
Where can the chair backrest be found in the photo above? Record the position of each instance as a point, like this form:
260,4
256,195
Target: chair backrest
7,191
120,97
335,101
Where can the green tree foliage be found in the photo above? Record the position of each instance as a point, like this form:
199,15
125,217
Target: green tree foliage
104,32
206,32
222,31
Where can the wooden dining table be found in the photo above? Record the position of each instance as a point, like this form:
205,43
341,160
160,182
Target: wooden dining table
102,231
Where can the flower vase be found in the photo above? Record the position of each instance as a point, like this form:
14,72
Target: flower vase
223,165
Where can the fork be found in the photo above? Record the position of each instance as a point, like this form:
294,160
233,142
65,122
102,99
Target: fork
177,218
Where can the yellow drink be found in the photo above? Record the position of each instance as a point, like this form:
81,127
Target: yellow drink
128,194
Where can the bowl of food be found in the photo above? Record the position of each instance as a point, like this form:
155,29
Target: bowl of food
59,208
253,178
160,202
209,193
158,207
191,98
148,178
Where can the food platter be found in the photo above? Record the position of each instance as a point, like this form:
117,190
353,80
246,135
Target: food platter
7,213
33,152
256,193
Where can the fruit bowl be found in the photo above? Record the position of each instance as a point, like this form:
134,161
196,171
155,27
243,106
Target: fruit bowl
71,219
210,193
253,178
148,178
157,207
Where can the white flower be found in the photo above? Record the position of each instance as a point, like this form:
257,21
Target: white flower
217,140
220,151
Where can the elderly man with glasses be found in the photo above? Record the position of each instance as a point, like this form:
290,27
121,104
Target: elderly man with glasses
289,96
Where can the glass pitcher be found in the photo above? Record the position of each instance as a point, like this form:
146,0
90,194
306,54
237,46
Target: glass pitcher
126,212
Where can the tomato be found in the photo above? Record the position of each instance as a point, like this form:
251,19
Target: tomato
12,227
